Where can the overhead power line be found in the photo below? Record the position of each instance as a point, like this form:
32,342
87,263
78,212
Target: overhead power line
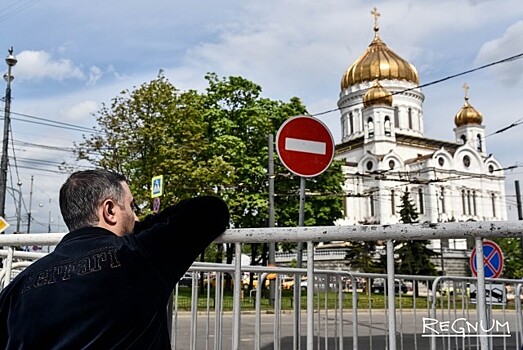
504,60
52,123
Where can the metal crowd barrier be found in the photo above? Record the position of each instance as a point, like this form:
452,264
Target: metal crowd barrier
339,309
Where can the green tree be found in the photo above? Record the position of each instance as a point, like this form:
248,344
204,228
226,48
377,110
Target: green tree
240,121
414,255
157,130
205,143
511,246
360,257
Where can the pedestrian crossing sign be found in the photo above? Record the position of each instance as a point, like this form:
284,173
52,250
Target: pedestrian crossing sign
157,186
3,224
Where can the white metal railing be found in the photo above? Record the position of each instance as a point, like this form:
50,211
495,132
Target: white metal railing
457,230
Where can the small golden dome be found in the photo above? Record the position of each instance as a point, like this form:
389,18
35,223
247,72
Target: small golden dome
379,62
467,114
377,95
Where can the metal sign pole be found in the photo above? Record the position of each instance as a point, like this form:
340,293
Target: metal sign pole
299,262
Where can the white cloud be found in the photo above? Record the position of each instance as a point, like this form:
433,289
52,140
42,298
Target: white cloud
95,74
80,111
508,45
39,65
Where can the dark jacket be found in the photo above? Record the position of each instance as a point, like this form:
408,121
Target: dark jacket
100,291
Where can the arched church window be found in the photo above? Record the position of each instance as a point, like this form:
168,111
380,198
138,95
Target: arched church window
371,198
468,203
464,139
491,168
420,199
474,202
369,165
479,144
370,126
442,198
351,123
463,202
441,161
410,118
387,126
396,117
493,199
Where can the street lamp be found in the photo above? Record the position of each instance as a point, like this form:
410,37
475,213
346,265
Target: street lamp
11,62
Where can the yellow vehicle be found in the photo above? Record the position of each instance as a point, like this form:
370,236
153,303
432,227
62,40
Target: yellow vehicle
211,280
288,282
246,282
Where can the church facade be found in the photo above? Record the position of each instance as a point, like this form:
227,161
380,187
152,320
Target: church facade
386,152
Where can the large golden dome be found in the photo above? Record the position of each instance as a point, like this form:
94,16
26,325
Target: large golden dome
377,95
379,62
467,114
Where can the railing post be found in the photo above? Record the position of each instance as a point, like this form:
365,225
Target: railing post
391,276
480,296
237,296
8,264
310,296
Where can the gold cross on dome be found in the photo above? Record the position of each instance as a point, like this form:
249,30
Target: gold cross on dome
466,89
376,14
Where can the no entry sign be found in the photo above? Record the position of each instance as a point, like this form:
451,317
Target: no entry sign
492,257
305,146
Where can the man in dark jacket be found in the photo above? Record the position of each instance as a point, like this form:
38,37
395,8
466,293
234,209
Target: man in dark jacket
108,282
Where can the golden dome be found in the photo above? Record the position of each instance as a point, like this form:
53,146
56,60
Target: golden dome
379,62
467,114
377,95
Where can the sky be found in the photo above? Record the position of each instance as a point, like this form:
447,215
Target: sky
74,56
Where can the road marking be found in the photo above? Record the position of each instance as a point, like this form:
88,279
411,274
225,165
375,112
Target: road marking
307,146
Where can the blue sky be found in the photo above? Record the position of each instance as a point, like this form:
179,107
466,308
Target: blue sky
73,56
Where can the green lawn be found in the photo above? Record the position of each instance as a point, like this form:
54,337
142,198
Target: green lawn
321,298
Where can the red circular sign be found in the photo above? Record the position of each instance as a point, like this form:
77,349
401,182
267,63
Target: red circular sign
156,204
492,260
305,146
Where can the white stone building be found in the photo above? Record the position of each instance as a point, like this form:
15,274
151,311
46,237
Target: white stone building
386,152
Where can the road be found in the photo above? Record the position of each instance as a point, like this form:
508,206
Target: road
371,330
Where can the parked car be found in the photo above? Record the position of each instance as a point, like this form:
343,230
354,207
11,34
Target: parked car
186,280
378,286
287,282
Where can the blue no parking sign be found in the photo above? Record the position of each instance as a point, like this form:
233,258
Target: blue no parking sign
492,259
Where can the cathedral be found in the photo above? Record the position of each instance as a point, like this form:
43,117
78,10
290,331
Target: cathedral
386,153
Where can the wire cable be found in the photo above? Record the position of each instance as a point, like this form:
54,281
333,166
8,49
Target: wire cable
504,60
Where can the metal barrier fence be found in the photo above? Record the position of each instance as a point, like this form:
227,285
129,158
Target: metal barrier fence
339,309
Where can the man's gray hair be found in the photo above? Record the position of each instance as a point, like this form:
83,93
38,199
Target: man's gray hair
84,191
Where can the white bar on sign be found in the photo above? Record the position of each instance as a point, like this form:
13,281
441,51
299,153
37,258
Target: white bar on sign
306,146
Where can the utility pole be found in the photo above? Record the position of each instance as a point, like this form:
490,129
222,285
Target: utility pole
272,245
11,62
520,215
19,214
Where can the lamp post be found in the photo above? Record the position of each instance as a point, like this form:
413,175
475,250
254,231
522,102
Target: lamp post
11,62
